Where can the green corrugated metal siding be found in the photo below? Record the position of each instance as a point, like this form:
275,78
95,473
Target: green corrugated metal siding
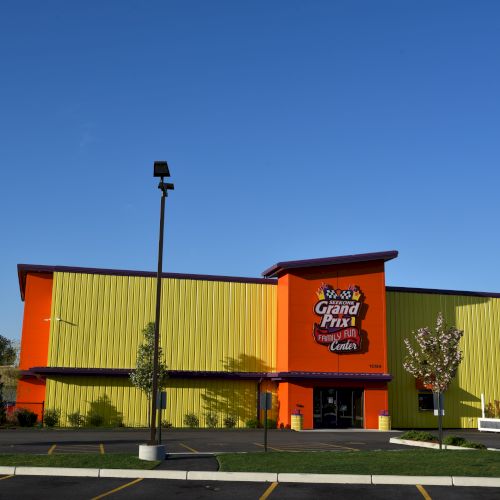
479,317
113,396
205,325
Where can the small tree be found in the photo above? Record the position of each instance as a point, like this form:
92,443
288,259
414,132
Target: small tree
435,359
8,351
142,376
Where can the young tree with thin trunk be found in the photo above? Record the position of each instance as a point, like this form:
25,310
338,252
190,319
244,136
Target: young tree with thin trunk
434,359
142,376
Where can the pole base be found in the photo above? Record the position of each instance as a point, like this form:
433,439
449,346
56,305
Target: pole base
151,452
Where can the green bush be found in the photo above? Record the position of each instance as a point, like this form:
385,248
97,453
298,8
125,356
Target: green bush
166,424
212,420
94,420
253,423
230,422
418,436
454,441
271,423
191,420
51,417
477,446
26,418
76,419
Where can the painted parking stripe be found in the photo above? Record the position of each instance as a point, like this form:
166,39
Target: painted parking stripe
269,447
51,449
423,491
269,490
341,446
6,477
188,448
123,486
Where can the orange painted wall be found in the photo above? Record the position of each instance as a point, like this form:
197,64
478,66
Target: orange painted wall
297,349
35,335
290,394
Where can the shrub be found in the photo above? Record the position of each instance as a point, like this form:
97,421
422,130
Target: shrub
418,436
166,424
94,420
51,417
271,423
230,422
76,419
454,441
212,420
26,418
477,446
253,423
191,420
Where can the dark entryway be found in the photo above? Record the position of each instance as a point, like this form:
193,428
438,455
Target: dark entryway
338,408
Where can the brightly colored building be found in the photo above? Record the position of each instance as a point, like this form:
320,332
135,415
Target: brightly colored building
324,336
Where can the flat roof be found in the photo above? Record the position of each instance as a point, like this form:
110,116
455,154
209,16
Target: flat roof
282,267
24,269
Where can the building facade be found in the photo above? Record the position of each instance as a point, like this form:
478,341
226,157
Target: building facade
324,336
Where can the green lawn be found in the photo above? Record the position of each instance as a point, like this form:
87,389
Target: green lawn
404,462
92,460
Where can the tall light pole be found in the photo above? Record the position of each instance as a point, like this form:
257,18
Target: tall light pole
160,170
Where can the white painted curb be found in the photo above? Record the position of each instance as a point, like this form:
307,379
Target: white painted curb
324,478
492,482
56,471
427,480
269,477
424,444
145,474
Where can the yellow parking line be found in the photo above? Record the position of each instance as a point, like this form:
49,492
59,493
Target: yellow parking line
268,491
51,449
270,447
424,493
340,446
101,448
189,448
135,481
6,477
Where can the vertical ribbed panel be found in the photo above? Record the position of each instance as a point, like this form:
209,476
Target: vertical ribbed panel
479,318
205,325
110,395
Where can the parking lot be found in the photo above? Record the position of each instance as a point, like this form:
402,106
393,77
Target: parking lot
192,449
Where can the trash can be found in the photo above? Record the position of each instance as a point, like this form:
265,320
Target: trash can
297,422
384,423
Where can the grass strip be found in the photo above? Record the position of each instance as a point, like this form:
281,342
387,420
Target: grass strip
90,460
397,462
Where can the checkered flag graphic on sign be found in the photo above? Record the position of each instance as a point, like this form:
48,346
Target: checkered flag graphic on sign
330,294
346,295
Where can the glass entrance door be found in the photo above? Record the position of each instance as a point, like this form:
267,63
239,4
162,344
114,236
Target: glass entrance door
338,408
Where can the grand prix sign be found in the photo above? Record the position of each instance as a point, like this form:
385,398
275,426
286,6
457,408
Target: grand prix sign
339,312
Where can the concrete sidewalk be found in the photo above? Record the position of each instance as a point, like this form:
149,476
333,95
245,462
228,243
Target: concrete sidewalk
265,477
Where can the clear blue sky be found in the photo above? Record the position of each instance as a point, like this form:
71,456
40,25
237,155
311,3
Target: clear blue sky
293,130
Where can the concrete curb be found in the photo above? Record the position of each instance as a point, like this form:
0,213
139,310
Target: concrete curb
285,477
265,477
424,444
424,480
261,477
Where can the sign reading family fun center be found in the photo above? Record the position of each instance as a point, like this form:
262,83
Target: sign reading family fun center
339,312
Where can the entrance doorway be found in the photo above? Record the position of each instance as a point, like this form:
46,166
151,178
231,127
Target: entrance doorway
338,408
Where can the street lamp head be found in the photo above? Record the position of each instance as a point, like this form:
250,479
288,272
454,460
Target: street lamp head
161,169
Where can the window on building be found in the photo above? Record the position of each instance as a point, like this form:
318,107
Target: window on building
425,401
